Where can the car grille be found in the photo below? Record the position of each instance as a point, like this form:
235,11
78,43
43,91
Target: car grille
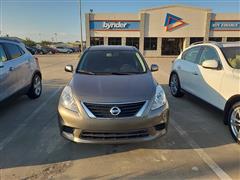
114,135
103,110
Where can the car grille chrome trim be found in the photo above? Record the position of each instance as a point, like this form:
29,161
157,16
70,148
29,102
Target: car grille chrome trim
102,110
89,135
89,113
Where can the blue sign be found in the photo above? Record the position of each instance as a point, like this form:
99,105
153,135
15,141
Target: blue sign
115,25
225,25
172,22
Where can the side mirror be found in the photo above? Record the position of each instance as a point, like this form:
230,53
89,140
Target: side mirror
154,67
210,64
69,68
1,64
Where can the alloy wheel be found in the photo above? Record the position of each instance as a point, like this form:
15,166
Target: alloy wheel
235,122
37,85
174,84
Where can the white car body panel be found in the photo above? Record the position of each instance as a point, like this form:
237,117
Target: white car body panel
213,86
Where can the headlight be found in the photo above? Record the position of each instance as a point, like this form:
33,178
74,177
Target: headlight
67,99
159,99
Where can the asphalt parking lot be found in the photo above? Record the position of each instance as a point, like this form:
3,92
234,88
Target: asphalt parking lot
198,145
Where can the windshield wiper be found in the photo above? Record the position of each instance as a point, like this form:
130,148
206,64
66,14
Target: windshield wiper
85,72
119,73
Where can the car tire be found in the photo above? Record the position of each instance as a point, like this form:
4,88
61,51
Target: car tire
35,90
175,87
234,121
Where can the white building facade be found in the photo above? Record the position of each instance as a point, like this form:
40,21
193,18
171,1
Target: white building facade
162,31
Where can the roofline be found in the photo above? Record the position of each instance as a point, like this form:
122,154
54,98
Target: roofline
176,5
110,13
219,44
111,47
9,39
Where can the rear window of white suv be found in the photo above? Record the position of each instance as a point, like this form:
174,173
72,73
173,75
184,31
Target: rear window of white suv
232,55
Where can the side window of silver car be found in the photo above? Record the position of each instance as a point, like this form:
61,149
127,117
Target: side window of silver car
3,56
13,50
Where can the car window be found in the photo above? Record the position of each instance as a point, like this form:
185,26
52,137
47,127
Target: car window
3,56
13,50
232,55
191,54
110,62
208,53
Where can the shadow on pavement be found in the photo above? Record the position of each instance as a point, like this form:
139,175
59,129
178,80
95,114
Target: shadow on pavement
41,143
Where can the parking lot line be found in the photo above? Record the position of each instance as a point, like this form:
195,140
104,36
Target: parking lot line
202,154
25,122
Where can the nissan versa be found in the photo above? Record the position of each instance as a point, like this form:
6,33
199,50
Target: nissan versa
112,98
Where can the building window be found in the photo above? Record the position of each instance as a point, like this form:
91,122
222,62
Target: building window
195,39
233,39
172,46
114,41
150,43
216,39
132,41
96,41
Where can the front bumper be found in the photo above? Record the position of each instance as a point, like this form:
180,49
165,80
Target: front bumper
80,128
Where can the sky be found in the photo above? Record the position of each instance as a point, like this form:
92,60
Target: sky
58,20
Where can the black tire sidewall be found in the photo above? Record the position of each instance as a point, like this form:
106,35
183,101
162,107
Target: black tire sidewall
179,93
31,92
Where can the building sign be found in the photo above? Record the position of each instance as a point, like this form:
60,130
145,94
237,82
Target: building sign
172,22
225,25
115,25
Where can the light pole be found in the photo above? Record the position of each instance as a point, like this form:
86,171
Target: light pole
55,37
81,38
40,37
1,18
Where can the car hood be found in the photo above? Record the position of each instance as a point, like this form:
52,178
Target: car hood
113,88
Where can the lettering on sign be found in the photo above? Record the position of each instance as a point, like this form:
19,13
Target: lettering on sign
114,25
225,25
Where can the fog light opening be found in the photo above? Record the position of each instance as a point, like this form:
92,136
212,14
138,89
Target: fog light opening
68,129
160,127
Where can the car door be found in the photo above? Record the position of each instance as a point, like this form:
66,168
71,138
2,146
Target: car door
18,65
187,68
25,68
7,75
208,81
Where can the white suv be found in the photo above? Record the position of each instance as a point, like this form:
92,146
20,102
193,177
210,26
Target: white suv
211,71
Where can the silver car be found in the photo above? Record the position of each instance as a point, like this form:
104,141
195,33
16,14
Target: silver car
112,98
19,70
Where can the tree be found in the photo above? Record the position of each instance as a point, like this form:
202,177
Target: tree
29,42
45,43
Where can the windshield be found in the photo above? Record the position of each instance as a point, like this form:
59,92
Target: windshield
232,55
112,62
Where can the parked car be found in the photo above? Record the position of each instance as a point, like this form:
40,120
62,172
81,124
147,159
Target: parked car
41,50
211,71
32,50
75,49
64,50
112,98
49,50
19,70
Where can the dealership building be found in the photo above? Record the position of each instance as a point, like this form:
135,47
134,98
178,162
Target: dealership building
162,31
